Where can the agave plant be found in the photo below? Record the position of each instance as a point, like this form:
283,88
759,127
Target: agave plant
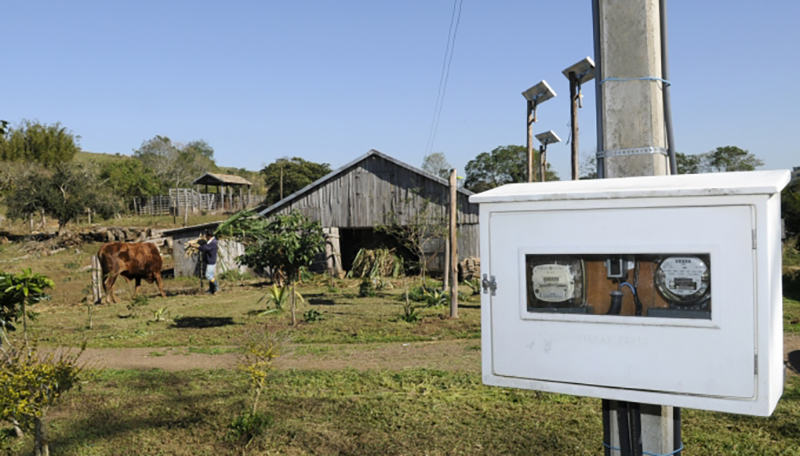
278,296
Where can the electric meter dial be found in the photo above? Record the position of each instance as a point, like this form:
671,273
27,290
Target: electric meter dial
684,280
555,281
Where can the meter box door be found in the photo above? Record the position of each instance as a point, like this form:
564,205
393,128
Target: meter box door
662,290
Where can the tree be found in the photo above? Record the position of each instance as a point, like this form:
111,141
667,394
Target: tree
292,175
29,382
281,243
421,229
45,144
790,210
503,165
436,163
130,179
174,164
588,167
689,164
720,160
201,147
65,192
731,158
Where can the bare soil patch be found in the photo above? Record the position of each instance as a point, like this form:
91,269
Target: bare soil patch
452,355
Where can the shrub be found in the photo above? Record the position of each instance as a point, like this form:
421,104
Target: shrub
247,425
367,288
313,315
234,275
430,296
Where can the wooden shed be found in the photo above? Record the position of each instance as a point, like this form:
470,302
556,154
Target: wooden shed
374,190
230,190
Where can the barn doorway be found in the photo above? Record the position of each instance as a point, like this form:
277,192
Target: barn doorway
351,240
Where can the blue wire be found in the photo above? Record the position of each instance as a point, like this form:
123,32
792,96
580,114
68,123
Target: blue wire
626,284
648,453
646,78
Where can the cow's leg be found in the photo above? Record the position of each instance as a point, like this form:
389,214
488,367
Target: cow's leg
109,286
160,284
136,287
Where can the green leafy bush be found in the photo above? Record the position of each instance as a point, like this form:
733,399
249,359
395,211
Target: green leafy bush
367,288
430,296
246,426
312,316
234,275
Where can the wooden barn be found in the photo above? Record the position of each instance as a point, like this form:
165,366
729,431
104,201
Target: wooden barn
350,202
374,190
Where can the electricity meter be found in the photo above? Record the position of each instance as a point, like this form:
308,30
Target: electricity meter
555,281
684,280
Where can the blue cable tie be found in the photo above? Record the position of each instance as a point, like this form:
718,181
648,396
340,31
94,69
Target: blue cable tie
646,78
626,284
648,453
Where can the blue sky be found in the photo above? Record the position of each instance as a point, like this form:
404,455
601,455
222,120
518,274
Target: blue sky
329,80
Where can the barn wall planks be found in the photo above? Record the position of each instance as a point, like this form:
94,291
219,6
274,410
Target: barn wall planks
366,194
371,191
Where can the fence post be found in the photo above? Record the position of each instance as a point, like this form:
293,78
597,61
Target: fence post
97,281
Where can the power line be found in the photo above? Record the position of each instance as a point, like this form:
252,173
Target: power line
455,20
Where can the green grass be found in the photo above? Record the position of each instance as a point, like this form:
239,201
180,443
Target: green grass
373,412
198,320
213,350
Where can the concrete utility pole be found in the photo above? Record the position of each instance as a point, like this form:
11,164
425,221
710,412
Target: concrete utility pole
633,143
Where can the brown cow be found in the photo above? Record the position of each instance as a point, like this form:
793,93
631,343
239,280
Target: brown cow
134,260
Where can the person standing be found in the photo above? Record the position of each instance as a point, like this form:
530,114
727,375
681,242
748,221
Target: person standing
208,248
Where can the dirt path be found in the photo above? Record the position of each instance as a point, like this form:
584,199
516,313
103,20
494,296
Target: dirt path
454,355
457,355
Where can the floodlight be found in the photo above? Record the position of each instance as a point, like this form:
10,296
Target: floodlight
584,70
539,93
548,137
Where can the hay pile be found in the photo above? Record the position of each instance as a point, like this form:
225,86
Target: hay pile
375,263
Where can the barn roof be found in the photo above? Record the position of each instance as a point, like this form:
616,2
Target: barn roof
221,179
333,174
199,229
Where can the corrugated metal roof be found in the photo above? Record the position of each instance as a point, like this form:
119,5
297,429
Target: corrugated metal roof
199,228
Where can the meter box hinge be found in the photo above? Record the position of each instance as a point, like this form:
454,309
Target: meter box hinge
489,285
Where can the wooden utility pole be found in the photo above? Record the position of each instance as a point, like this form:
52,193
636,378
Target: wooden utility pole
542,164
446,281
281,181
453,244
530,122
574,99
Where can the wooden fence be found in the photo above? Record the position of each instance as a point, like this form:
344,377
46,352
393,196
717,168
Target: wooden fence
183,200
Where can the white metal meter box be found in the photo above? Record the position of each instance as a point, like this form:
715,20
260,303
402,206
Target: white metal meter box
661,290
